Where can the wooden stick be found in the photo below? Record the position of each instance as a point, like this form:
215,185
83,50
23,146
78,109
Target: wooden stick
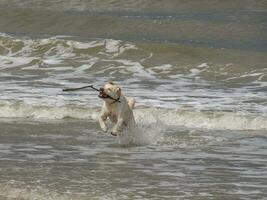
80,88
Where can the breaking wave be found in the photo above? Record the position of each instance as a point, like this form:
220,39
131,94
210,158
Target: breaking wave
34,71
213,120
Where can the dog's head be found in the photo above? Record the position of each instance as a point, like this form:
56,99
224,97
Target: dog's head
110,90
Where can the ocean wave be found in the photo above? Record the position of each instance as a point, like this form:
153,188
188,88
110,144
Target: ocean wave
64,46
66,53
166,75
213,120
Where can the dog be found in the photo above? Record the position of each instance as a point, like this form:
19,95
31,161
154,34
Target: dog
117,108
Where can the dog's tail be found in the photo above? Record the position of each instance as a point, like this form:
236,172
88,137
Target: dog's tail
131,102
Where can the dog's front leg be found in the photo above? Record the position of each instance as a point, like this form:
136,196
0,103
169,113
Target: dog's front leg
102,119
117,126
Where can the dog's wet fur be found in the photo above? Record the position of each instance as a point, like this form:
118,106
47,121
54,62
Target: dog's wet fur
118,109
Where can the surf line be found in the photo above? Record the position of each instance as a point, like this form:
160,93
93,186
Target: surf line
89,86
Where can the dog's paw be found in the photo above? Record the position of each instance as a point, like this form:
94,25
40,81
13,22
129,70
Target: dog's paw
114,134
104,129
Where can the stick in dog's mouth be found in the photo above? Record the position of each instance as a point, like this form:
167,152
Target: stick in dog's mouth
80,88
103,95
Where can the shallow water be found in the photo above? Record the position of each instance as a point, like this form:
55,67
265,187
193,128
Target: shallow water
72,159
198,73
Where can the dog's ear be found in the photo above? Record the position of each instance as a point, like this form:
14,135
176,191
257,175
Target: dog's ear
118,91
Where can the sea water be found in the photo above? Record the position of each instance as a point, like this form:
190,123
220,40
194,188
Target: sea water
198,73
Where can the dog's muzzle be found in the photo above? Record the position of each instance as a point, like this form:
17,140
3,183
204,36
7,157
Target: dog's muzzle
102,94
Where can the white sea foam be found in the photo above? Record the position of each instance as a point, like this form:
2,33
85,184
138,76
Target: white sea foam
52,61
116,47
148,130
145,117
9,61
203,65
211,120
136,68
17,110
164,67
85,45
33,71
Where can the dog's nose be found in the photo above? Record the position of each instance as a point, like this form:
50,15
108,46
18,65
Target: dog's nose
101,89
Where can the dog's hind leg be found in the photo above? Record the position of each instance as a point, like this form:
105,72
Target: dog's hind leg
118,126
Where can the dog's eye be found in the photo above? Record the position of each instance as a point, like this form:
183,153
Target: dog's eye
109,89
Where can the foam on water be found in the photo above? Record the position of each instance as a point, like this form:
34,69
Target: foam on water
148,131
146,117
9,62
195,100
17,110
34,71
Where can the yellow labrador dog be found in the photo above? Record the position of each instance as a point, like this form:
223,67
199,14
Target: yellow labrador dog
117,108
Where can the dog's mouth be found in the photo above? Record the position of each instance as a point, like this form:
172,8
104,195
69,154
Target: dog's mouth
102,95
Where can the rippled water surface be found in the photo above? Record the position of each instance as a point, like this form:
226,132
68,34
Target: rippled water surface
73,160
197,70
